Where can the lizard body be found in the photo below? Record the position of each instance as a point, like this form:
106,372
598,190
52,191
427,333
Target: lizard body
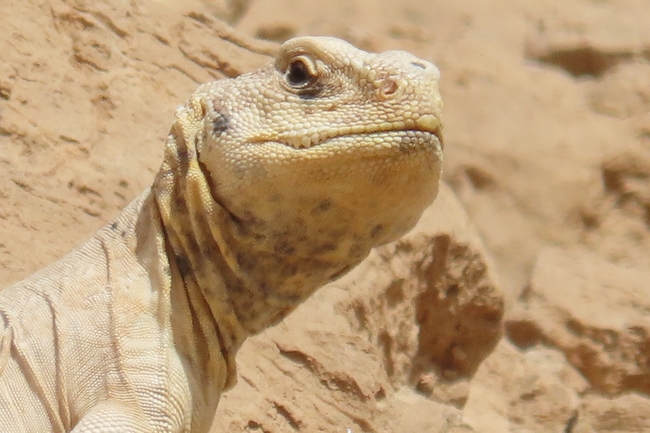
272,184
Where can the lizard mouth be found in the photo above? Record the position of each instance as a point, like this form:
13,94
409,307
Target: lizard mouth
427,125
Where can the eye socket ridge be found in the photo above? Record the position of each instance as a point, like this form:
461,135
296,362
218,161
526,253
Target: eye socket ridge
301,72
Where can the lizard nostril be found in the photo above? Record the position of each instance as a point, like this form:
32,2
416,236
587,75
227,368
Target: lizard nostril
419,65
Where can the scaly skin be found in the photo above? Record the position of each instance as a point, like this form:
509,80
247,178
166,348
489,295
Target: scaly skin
273,184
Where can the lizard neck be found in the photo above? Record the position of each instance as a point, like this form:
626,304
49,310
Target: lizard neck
247,287
207,330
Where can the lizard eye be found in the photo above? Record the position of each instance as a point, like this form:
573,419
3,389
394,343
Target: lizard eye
301,72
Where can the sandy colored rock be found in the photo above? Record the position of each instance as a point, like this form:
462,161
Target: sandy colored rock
595,312
624,91
624,414
322,377
431,302
514,391
616,216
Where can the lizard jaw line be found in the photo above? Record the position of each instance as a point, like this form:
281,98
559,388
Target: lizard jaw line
427,123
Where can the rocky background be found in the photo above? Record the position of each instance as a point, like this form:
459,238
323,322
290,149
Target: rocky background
520,303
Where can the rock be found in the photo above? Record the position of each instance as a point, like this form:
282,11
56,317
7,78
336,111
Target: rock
594,311
520,392
624,414
591,49
311,373
623,91
229,11
430,301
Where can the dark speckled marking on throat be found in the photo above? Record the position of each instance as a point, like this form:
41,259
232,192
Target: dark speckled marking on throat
220,124
221,121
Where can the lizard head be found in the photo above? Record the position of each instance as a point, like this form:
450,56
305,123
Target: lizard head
328,142
310,161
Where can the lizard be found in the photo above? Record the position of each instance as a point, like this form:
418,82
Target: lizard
272,184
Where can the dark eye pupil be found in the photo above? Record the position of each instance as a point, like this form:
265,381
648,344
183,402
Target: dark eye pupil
298,73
